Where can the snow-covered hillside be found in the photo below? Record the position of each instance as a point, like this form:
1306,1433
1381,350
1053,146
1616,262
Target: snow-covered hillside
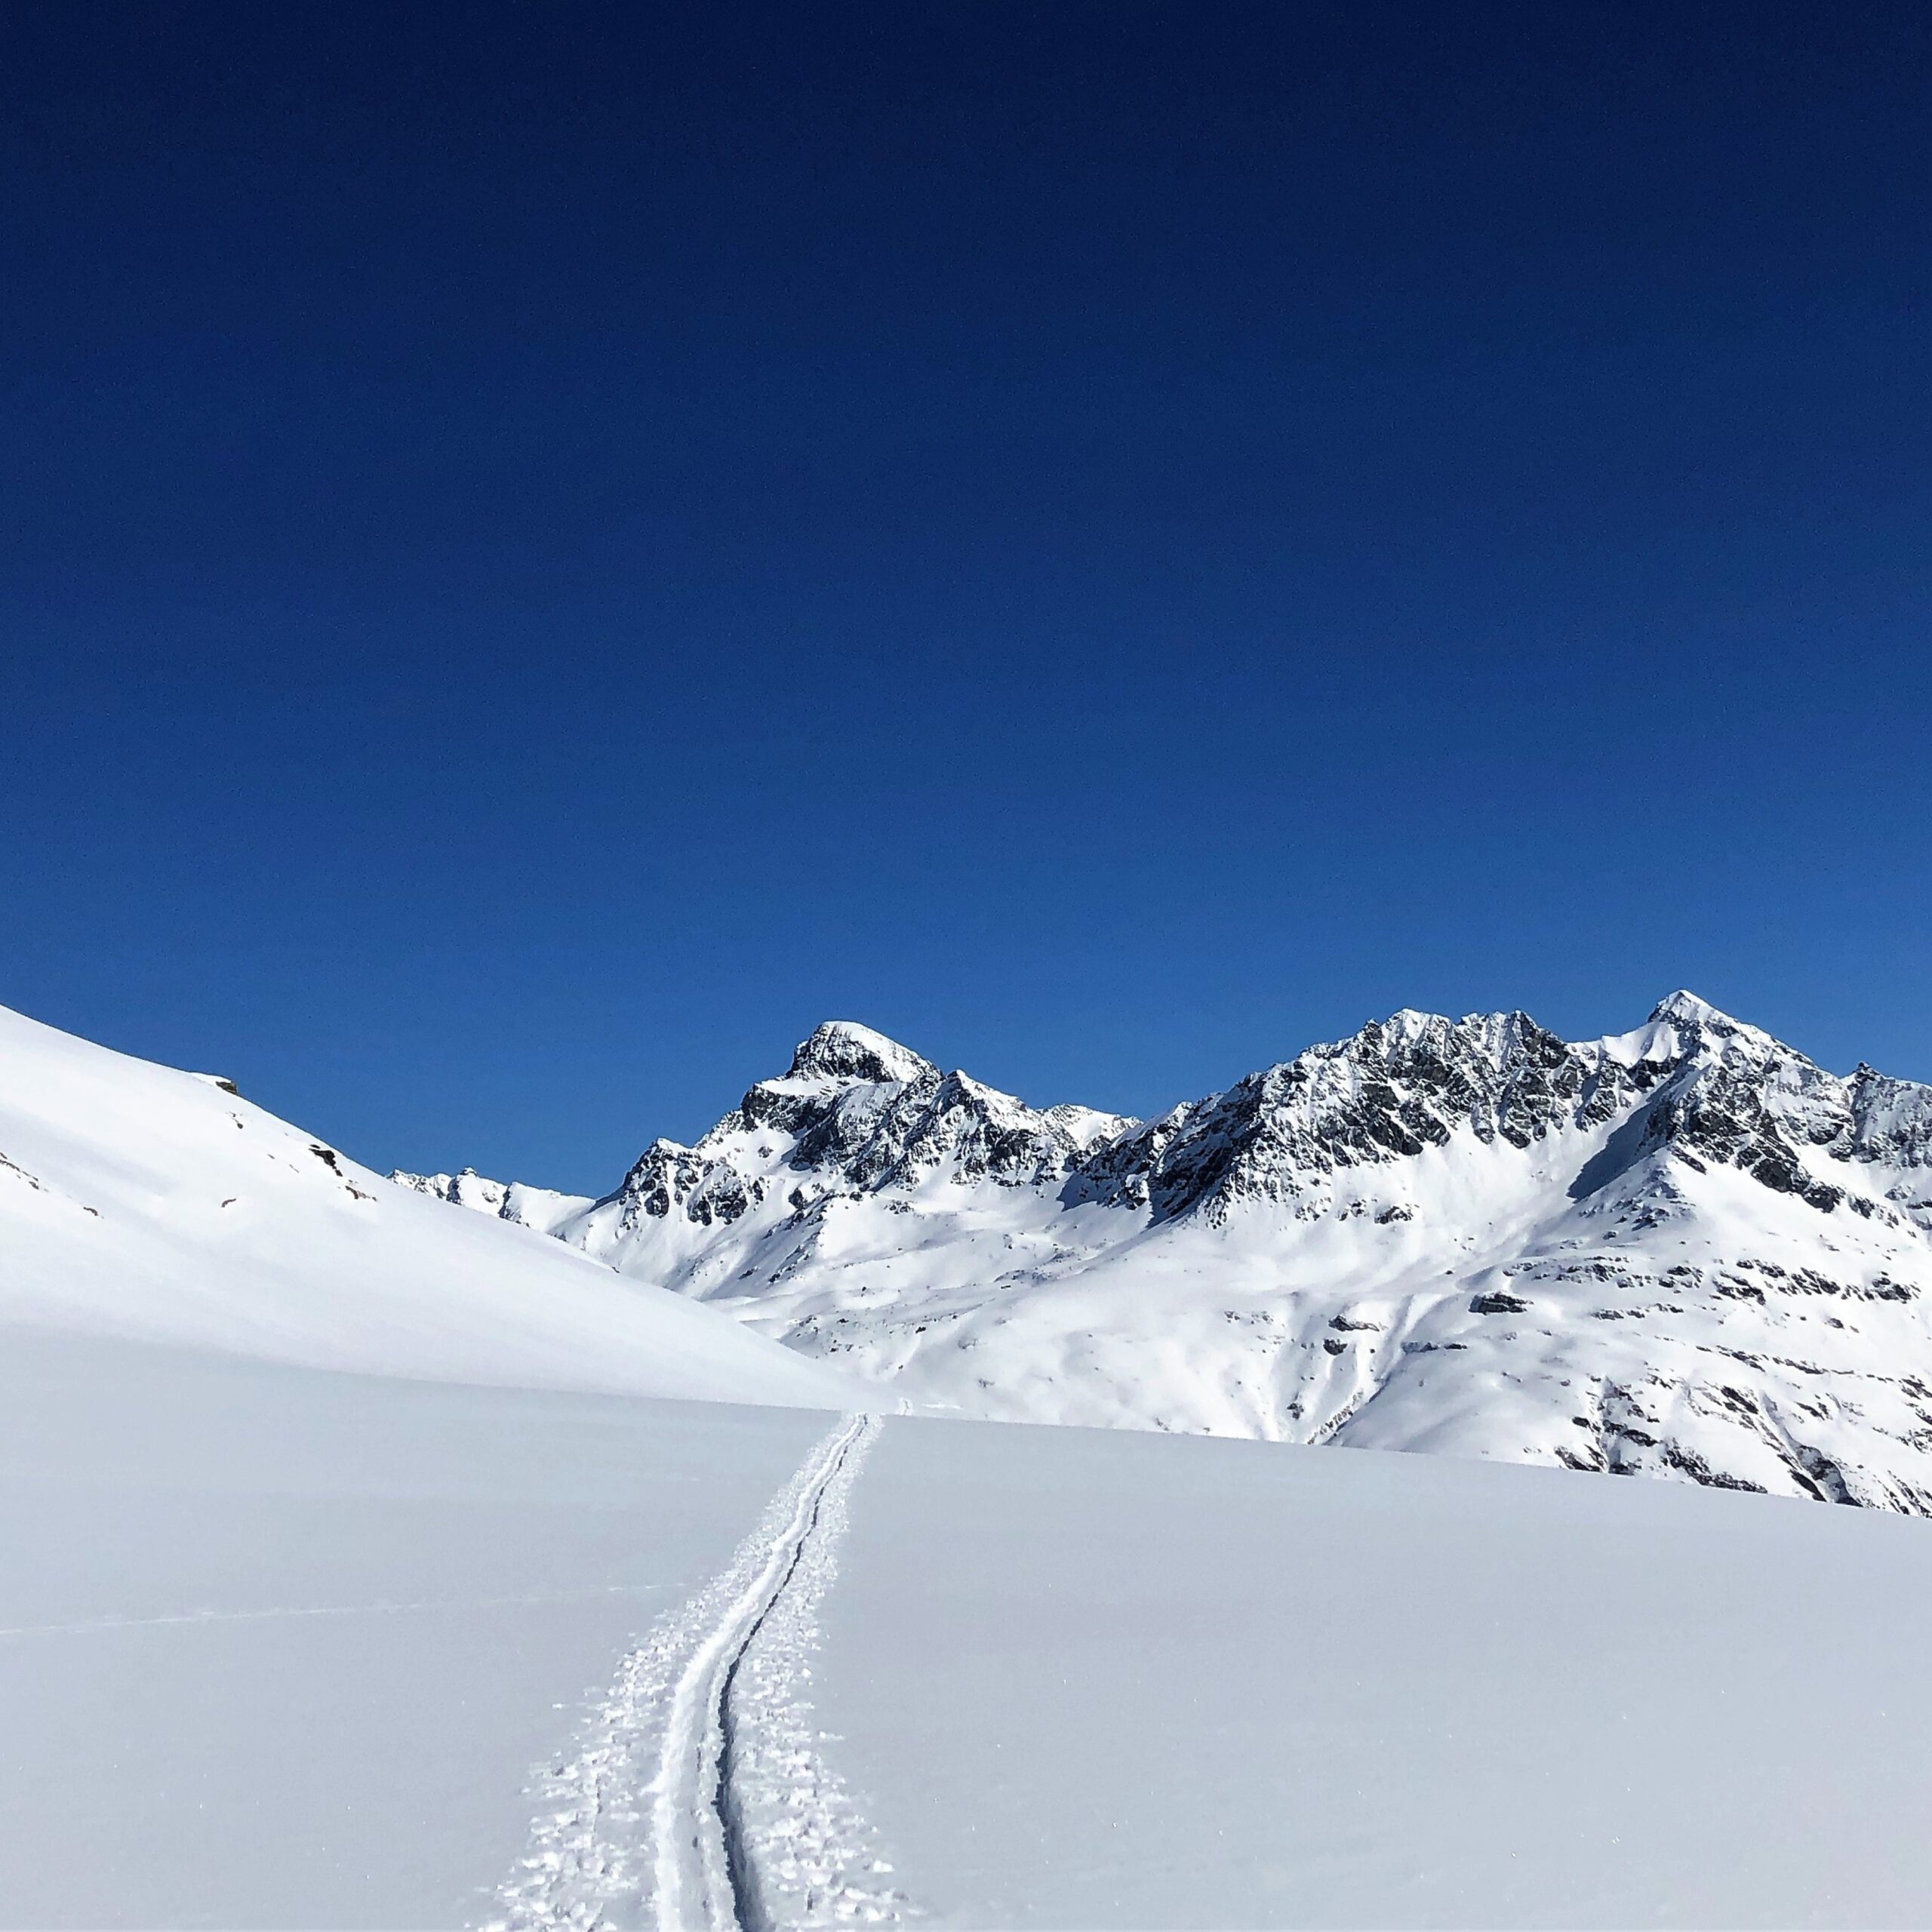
1684,1251
141,1202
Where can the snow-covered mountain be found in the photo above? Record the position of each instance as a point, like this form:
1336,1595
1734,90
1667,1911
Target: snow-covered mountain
1684,1251
141,1203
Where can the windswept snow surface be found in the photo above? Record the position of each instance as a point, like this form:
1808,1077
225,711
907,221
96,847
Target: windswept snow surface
1683,1252
283,1648
141,1202
1100,1679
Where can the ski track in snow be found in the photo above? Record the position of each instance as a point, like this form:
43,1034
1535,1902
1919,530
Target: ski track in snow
698,1801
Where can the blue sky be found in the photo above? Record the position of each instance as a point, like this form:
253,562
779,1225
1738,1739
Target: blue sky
549,549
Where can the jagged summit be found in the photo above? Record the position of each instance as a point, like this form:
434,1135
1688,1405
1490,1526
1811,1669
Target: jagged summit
842,1049
1684,1008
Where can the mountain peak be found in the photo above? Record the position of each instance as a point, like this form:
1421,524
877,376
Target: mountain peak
1684,1008
1409,1024
843,1050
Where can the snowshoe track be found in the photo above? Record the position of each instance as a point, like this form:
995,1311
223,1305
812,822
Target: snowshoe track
698,1801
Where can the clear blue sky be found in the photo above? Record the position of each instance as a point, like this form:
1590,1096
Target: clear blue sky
549,547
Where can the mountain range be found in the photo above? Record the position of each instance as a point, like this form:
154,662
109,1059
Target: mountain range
1684,1251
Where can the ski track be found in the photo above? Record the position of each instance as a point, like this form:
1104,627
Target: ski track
697,1800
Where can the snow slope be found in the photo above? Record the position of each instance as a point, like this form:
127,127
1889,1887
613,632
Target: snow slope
141,1202
286,1648
1107,1680
280,1647
1684,1252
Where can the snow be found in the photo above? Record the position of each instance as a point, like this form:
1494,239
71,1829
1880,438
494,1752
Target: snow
141,1202
699,1791
542,1208
1110,1680
1684,1008
282,1647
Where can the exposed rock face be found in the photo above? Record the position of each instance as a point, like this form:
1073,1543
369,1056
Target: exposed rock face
1413,1081
860,1115
1726,1094
841,1052
1684,1251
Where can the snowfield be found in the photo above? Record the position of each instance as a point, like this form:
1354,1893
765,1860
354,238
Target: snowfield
284,1647
374,1562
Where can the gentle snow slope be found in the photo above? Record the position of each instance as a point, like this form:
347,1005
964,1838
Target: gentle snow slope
139,1201
280,1647
1107,1680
